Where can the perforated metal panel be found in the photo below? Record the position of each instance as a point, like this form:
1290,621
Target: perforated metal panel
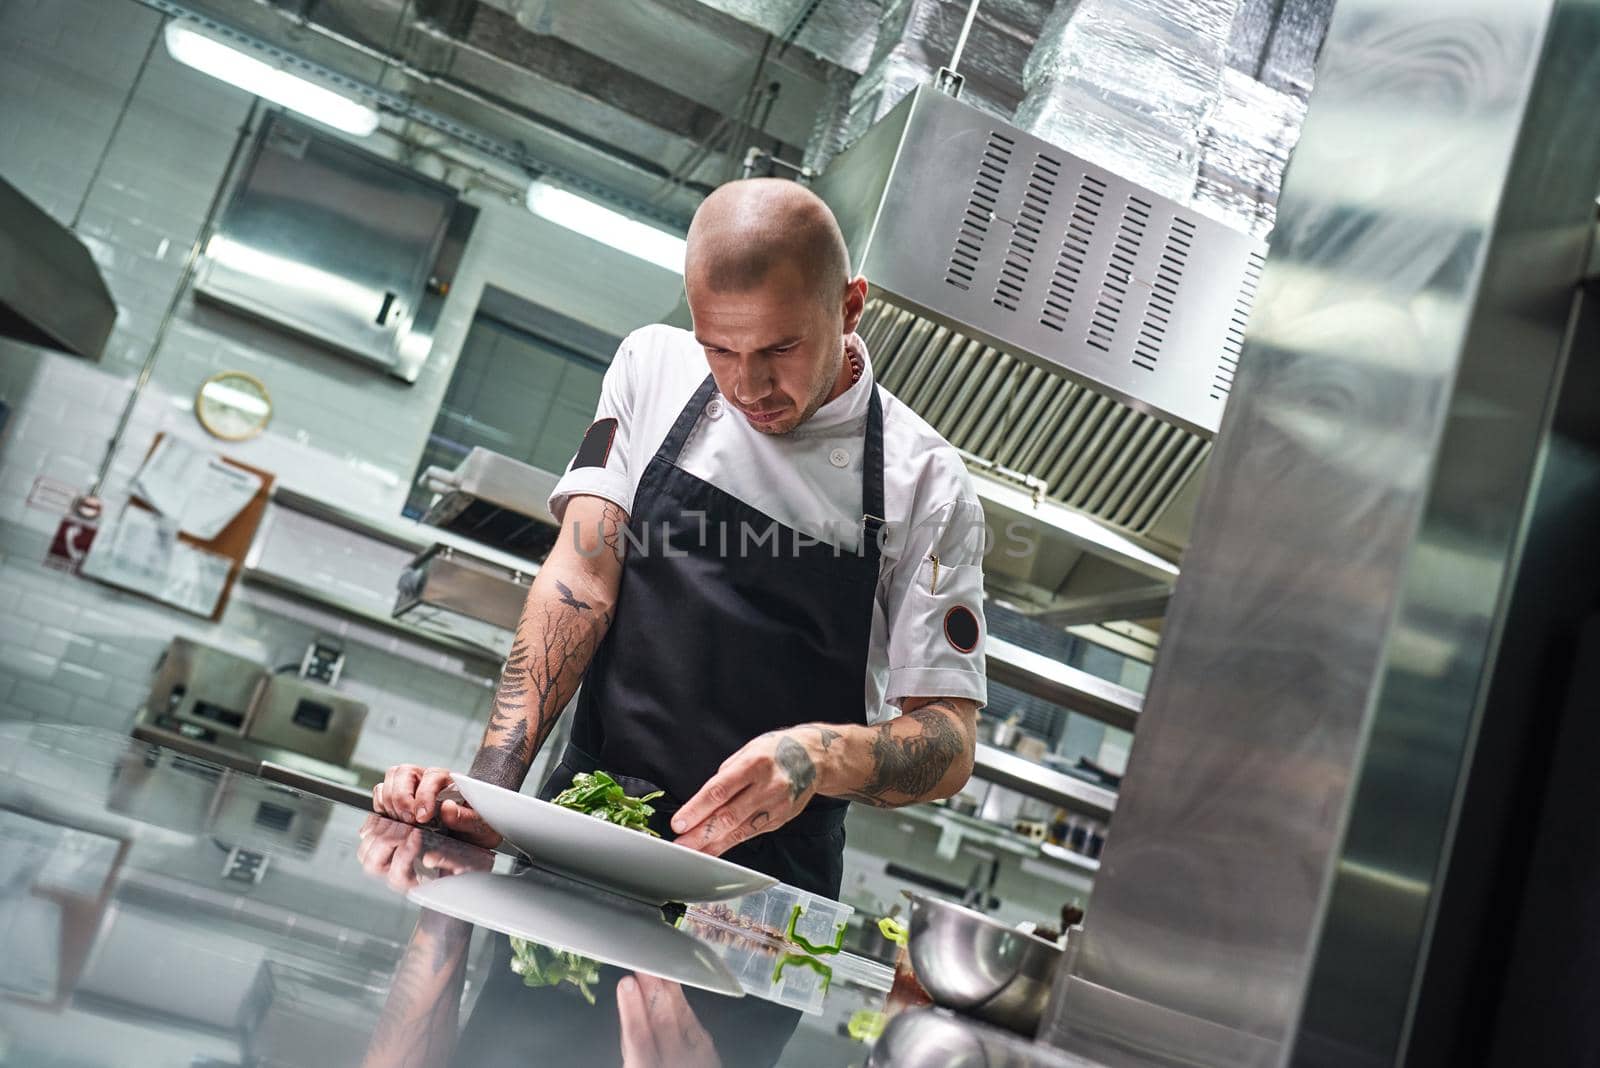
1098,455
1031,251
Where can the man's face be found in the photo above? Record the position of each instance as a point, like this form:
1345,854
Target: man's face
775,349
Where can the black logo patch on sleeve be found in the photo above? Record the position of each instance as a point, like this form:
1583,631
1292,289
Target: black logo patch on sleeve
596,447
961,628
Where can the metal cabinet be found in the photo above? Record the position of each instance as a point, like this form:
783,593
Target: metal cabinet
338,245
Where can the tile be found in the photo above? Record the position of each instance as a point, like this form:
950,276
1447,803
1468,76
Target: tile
47,611
44,702
15,630
82,681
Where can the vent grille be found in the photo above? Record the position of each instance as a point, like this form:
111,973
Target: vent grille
1098,455
1163,294
1074,253
1233,344
1119,274
1027,231
978,218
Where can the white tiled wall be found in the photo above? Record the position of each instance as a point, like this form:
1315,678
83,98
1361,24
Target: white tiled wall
139,191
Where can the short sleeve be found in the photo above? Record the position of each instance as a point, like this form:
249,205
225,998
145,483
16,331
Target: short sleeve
934,608
600,465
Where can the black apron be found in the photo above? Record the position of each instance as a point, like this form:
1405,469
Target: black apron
728,625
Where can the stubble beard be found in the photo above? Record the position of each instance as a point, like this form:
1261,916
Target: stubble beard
819,396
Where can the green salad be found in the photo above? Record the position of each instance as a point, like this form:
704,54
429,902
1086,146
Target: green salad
542,966
600,796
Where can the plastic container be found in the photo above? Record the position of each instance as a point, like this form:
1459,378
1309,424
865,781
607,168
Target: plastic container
786,914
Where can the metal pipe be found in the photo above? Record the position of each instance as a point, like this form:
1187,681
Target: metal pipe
961,41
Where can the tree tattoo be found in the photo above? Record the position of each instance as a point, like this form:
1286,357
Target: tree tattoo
797,767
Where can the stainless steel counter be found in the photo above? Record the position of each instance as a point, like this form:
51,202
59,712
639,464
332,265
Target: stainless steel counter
162,909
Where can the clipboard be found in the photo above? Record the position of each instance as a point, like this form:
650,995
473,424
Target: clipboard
232,544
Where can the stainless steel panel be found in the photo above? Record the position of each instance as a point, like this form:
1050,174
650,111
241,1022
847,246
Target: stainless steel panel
1290,790
51,292
204,691
309,718
1026,777
450,590
1062,684
337,244
1008,239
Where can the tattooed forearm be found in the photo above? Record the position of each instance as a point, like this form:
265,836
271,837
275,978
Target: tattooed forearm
796,765
556,640
828,737
911,755
418,1023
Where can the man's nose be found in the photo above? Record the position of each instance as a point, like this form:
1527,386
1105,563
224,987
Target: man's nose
754,381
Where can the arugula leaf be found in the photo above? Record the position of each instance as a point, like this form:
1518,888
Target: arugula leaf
599,795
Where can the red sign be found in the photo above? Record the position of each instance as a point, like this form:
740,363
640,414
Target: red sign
70,545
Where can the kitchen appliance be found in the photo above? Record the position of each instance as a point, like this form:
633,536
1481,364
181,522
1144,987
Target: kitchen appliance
51,292
979,966
338,245
203,692
495,500
307,717
452,591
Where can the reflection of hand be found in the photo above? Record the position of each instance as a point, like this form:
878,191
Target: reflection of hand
413,794
756,790
659,1029
395,852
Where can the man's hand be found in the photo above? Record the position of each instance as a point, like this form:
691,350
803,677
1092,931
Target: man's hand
398,854
758,789
659,1029
412,794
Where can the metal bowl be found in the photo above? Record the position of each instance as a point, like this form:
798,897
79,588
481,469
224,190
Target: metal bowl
976,965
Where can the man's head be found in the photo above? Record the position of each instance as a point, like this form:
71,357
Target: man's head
768,279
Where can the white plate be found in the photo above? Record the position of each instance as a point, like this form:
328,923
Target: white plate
610,930
629,862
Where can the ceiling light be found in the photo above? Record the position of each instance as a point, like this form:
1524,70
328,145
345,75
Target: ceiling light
229,64
600,223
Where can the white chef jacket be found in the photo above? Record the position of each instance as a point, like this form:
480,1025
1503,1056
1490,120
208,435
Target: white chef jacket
810,479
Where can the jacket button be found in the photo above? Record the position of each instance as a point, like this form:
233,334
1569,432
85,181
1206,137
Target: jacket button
838,458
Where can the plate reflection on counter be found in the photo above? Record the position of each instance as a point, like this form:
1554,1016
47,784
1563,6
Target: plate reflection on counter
544,908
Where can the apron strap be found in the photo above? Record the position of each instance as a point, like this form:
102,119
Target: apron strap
684,425
872,514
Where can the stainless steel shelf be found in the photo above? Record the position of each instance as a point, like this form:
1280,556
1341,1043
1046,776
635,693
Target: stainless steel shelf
1034,780
1036,674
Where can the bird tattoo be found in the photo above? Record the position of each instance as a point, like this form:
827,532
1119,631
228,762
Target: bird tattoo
568,599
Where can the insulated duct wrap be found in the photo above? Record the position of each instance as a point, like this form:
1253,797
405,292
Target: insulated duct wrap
1277,41
839,31
1243,153
917,37
1130,84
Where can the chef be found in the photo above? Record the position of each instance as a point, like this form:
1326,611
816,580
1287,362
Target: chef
768,581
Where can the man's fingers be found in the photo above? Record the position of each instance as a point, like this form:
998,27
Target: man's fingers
462,820
399,791
402,875
720,789
379,851
638,1041
429,784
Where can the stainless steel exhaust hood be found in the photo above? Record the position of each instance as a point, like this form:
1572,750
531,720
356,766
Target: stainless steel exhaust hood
1005,238
51,292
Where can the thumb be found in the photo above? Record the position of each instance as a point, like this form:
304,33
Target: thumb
465,822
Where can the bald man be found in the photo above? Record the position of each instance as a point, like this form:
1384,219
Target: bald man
768,581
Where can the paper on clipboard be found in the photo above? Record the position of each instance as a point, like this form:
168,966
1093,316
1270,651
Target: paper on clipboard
198,489
223,492
143,554
169,475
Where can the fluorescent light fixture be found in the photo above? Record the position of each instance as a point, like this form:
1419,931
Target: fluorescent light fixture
226,63
600,223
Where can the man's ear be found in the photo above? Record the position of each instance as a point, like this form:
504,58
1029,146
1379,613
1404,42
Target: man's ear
855,302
